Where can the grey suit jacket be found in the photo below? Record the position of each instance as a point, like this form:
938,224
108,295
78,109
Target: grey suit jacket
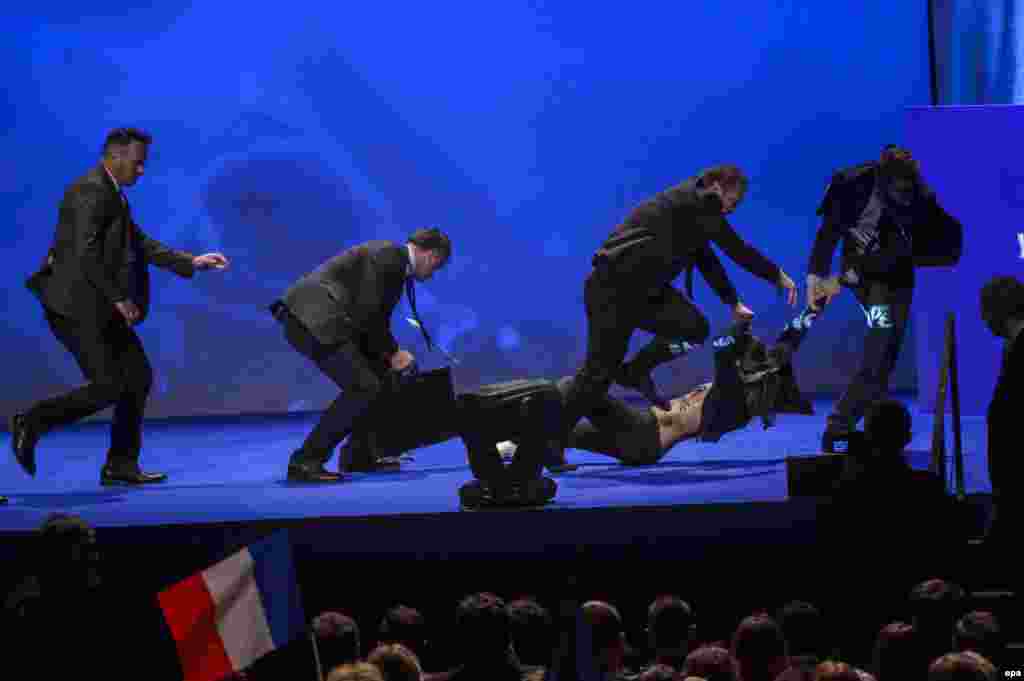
356,291
99,256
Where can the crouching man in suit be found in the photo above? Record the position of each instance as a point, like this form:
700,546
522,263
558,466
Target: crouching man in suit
94,288
339,317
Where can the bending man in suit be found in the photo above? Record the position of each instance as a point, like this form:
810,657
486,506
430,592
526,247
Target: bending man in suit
890,222
94,287
630,285
339,317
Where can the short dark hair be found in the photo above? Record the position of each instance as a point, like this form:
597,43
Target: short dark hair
887,424
122,137
606,626
897,161
58,535
405,625
979,631
669,619
757,641
712,663
802,627
727,174
338,637
1002,298
432,239
531,630
483,625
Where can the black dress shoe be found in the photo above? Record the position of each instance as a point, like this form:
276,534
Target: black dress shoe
643,384
111,476
312,472
23,442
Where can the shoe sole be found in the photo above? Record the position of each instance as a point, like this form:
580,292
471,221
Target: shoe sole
126,483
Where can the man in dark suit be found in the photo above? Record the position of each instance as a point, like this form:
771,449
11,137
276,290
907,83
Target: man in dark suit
1002,309
630,286
890,222
94,287
339,317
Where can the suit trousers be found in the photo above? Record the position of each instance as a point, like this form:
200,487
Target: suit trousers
119,374
613,314
886,307
362,382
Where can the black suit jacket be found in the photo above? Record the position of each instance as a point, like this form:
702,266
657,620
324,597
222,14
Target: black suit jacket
355,291
673,231
99,256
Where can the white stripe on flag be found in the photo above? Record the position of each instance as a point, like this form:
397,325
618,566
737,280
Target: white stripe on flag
241,619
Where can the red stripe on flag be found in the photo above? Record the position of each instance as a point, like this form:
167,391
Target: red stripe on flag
189,610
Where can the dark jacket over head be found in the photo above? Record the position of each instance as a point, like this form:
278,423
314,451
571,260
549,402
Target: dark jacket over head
935,237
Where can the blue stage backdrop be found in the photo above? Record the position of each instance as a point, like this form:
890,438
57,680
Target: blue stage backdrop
971,156
527,130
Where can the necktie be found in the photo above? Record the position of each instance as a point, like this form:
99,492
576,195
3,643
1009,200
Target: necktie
410,292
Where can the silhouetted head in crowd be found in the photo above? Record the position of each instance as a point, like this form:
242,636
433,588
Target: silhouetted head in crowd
969,666
357,671
405,625
68,559
670,630
980,631
396,662
607,635
899,653
759,649
1002,306
804,630
712,663
888,427
830,670
936,605
531,631
337,638
482,623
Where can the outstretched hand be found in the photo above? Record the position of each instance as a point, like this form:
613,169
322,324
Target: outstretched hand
742,313
210,261
787,284
820,292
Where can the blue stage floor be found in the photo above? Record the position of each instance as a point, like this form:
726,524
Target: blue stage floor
233,470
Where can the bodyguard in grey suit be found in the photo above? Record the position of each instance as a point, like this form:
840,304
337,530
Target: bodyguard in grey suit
339,317
94,287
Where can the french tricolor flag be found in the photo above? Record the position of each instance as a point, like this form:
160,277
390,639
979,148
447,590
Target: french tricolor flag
228,616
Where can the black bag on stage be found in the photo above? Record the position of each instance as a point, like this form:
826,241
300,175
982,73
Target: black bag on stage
528,412
418,413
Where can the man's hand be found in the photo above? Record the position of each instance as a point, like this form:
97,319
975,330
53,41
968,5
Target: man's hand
129,310
787,284
401,359
742,313
210,261
820,292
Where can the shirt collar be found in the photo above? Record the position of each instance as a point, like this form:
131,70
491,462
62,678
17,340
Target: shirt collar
412,259
117,185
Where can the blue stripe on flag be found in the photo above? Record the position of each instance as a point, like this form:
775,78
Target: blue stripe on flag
279,588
